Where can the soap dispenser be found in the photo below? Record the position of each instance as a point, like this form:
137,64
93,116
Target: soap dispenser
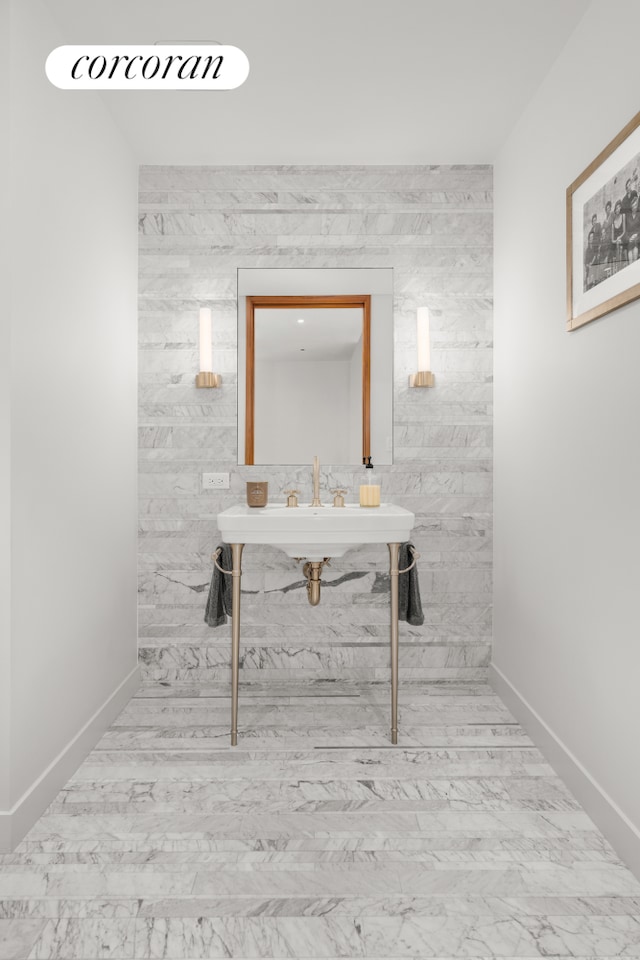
370,487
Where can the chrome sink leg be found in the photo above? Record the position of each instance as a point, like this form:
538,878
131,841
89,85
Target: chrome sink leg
236,553
394,552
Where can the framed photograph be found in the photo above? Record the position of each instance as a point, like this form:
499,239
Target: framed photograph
603,231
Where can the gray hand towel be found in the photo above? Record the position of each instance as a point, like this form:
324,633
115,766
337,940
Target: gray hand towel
409,603
219,601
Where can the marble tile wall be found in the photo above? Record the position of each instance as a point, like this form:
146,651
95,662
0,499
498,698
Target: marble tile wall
433,226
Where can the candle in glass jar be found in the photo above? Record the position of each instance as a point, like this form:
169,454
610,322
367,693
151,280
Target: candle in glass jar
370,492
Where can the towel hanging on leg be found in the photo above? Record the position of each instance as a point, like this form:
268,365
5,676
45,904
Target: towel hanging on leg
409,603
219,601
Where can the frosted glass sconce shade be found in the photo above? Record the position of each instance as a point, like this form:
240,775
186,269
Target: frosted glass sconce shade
424,377
206,377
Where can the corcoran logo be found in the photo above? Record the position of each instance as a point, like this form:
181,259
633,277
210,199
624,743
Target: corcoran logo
152,67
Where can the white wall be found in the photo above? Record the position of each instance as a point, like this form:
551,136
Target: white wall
354,403
298,405
567,454
73,234
5,433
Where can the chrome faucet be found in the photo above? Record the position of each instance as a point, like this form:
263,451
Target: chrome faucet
316,502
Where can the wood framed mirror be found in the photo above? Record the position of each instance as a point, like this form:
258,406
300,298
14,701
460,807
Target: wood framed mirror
307,359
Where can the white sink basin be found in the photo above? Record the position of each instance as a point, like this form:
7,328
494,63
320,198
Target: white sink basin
315,532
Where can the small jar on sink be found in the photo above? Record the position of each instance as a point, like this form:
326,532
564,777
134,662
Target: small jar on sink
370,490
257,494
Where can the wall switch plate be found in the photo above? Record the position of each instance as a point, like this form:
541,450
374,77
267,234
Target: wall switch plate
215,481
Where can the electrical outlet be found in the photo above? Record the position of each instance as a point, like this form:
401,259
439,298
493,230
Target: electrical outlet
215,481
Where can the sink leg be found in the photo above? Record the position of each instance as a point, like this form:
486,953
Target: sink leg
394,551
236,552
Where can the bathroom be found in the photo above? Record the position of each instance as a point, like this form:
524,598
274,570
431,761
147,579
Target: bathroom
108,540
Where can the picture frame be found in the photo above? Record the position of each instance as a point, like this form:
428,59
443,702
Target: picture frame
603,231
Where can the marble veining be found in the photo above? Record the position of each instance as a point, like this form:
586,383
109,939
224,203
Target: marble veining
432,225
313,838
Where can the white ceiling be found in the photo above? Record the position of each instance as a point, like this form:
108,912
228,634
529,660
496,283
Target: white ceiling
335,81
326,334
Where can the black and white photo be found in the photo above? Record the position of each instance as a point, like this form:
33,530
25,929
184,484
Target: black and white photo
603,231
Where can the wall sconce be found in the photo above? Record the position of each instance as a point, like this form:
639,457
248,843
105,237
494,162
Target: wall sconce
206,377
423,378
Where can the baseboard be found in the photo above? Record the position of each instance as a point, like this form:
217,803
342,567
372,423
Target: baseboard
623,836
15,823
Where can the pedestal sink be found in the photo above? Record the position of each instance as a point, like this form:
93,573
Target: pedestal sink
315,532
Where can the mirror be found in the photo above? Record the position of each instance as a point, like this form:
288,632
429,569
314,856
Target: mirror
308,380
315,366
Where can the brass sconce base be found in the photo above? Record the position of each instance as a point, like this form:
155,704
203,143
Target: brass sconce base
422,379
208,379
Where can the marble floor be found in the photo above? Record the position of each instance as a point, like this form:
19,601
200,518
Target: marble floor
314,838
